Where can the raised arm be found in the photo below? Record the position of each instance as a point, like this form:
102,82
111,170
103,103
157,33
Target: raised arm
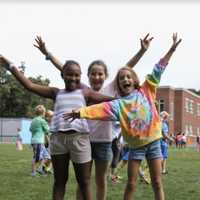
172,49
41,90
153,79
145,42
40,44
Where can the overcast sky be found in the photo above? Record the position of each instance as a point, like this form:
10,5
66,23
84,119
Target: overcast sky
107,31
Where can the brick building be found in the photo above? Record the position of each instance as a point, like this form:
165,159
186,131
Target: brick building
184,109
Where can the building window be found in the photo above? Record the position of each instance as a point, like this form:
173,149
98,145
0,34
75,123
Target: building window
171,110
198,109
191,106
186,130
198,131
190,130
187,104
161,105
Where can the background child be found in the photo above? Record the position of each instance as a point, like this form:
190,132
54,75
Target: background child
19,145
101,133
139,120
164,141
39,128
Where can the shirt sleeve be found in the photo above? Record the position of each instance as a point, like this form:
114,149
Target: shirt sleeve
45,126
154,78
165,128
107,111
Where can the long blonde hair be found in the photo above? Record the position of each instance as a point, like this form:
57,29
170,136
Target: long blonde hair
134,77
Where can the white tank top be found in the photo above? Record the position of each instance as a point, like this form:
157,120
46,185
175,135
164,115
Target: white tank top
66,102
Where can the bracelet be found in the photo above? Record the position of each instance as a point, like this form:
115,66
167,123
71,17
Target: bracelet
48,56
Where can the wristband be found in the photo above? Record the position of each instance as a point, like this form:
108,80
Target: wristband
48,56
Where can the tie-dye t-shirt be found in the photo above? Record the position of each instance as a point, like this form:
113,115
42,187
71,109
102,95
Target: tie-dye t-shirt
137,114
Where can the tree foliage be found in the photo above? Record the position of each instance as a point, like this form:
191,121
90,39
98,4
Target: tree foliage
15,100
195,91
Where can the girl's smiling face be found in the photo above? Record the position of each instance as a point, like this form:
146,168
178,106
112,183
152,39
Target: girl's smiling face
72,76
126,82
97,77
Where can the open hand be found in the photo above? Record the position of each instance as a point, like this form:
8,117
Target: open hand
71,116
176,42
145,42
40,44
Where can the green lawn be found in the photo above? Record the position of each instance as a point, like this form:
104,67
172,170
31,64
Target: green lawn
182,182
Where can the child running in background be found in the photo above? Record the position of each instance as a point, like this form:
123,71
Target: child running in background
139,120
101,133
68,141
39,128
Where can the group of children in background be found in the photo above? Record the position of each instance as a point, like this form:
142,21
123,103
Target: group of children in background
124,101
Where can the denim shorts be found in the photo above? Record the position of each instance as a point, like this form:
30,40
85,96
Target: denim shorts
37,148
164,150
101,151
150,151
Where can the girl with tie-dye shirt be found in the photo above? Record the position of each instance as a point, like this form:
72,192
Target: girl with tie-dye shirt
139,121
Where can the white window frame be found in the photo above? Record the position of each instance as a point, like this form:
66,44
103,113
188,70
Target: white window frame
186,104
198,109
171,110
186,130
161,103
191,106
190,130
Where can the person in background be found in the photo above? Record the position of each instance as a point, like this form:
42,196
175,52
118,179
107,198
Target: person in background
39,128
19,145
184,141
164,141
198,143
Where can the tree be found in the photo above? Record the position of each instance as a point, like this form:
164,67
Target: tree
195,91
15,100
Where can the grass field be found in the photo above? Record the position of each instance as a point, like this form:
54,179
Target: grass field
182,182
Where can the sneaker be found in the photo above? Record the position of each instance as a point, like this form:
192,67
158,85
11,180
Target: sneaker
115,180
165,172
33,174
40,171
119,177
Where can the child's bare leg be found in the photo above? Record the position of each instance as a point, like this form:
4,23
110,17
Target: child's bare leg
101,171
133,169
60,166
156,178
83,174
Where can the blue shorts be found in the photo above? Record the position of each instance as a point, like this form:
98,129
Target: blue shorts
164,150
37,148
101,151
125,154
45,153
150,151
